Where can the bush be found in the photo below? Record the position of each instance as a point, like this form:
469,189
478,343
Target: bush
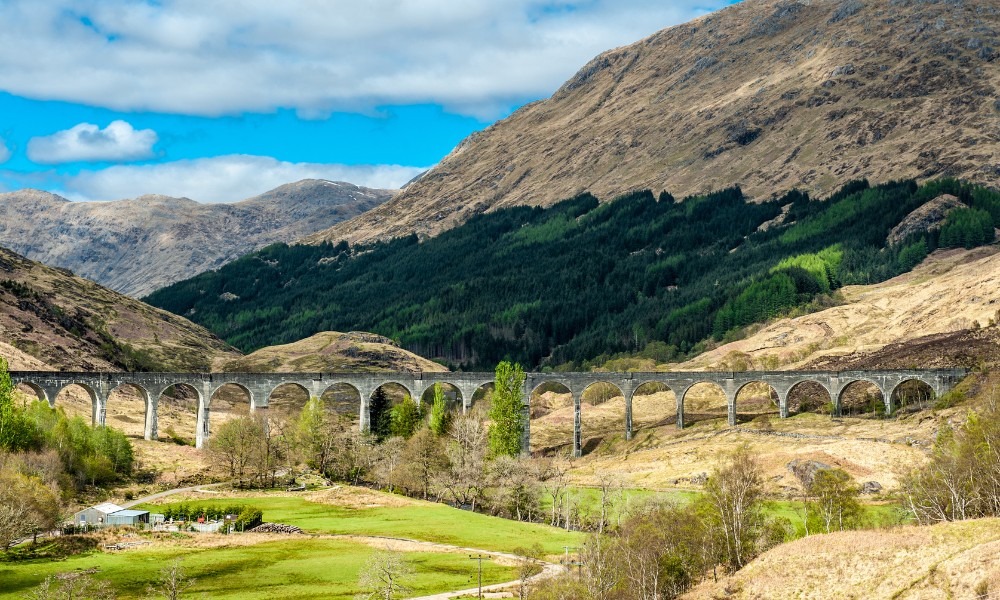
248,519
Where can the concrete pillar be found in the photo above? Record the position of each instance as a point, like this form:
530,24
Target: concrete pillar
679,396
577,424
316,388
730,390
99,403
364,418
203,432
151,431
628,415
783,403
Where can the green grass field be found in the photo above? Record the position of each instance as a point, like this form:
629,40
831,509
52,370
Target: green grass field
294,568
425,521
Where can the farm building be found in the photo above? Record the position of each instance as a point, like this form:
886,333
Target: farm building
96,516
111,514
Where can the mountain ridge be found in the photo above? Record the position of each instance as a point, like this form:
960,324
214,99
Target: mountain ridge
140,244
766,94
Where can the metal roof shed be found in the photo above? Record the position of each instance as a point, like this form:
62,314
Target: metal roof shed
128,517
96,515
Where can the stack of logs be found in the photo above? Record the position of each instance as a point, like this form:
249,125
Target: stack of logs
275,528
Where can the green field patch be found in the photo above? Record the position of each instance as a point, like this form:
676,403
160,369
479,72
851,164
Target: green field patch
300,567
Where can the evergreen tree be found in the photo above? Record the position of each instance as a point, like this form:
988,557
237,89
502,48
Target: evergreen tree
440,417
506,412
380,415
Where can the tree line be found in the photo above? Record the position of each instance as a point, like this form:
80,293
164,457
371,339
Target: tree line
582,280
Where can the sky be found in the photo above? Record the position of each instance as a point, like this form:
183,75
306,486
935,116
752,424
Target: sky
219,101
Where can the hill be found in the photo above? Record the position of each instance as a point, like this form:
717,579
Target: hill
333,352
52,319
139,245
951,560
767,94
576,283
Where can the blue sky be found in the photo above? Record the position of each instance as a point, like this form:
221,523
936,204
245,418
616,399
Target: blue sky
107,99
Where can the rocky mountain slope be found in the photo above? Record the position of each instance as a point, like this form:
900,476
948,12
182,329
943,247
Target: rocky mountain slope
53,320
767,94
331,351
137,246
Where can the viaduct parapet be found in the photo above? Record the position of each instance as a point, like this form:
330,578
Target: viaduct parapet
259,386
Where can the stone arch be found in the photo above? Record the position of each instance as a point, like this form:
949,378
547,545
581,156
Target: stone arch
809,395
653,404
344,399
758,398
246,390
453,394
118,413
393,397
856,403
175,403
37,390
699,402
288,397
481,396
601,414
913,391
552,418
72,408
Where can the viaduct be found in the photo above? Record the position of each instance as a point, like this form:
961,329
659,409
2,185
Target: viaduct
259,387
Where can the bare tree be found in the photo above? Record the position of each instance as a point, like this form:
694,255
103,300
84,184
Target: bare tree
172,582
552,475
385,574
71,586
735,495
612,489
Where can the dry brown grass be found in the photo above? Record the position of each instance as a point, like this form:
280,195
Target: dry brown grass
941,561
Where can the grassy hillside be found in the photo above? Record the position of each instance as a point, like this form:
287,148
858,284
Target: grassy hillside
952,560
52,319
581,280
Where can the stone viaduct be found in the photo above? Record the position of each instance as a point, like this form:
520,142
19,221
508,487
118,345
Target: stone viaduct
259,386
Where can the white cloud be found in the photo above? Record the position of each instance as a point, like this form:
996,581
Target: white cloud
4,152
316,56
117,142
222,178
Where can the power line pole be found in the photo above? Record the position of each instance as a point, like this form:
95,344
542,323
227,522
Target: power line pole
480,558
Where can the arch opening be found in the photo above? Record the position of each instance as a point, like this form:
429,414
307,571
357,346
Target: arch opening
551,420
654,405
912,395
380,405
809,397
862,399
757,402
76,400
126,409
343,401
482,399
452,397
177,414
705,401
602,416
29,392
288,399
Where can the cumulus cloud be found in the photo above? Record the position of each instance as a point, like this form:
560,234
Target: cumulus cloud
117,142
315,56
222,178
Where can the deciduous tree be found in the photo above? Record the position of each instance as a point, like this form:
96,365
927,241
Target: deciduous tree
506,412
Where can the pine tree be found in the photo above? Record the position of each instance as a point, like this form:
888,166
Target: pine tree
379,414
506,412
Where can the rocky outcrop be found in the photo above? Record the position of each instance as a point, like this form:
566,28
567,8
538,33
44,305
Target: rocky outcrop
138,246
766,94
928,217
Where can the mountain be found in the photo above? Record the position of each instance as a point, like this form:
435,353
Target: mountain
333,352
769,95
139,245
51,319
582,281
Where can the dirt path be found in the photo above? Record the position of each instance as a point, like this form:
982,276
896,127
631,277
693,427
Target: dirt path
159,495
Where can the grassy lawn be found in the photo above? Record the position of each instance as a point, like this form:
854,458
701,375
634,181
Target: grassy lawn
294,568
425,521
